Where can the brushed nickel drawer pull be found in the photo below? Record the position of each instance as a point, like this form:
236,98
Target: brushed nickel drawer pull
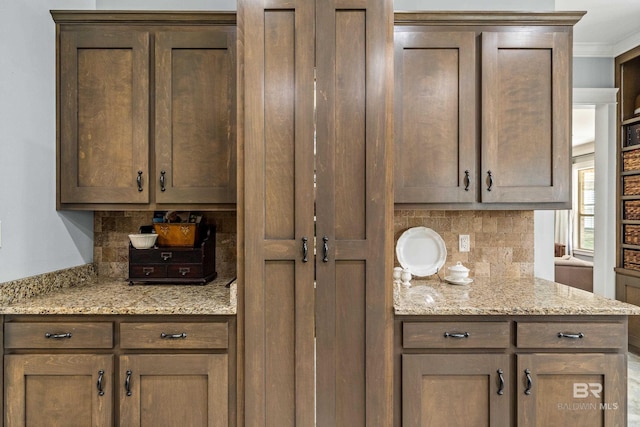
166,255
147,270
184,270
490,177
527,390
99,385
467,180
173,336
570,335
501,386
457,334
58,336
139,180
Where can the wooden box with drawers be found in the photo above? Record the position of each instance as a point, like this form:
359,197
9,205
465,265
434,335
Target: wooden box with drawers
179,265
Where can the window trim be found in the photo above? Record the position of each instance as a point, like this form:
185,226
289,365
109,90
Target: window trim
580,163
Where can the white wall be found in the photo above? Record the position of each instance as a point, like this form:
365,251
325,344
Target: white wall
543,223
34,237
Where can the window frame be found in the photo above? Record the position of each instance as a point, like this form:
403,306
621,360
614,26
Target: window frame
580,163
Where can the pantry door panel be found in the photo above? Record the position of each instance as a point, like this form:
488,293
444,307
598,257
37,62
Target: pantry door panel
278,212
354,61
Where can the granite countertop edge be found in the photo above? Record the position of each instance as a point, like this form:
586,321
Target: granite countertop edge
503,297
110,296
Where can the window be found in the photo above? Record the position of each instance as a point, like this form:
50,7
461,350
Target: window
585,209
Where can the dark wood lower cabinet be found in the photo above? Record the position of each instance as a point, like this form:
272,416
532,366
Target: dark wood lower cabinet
511,371
455,390
119,370
571,389
173,390
58,390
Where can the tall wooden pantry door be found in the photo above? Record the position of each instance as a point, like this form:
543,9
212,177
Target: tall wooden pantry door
317,211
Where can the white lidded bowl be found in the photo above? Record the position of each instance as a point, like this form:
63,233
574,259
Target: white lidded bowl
458,271
143,240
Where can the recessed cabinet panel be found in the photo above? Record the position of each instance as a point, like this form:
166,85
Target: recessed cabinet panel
104,84
279,125
195,116
525,117
58,390
174,390
455,390
347,145
571,389
435,144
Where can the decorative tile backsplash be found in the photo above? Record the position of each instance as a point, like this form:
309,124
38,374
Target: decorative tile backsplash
501,241
111,241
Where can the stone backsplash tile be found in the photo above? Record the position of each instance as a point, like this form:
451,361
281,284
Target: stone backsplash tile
501,241
111,240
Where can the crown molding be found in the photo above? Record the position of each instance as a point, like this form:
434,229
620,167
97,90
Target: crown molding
606,50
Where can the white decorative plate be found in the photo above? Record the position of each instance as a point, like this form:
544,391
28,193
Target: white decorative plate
421,250
455,281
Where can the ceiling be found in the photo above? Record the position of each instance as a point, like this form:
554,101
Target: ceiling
609,28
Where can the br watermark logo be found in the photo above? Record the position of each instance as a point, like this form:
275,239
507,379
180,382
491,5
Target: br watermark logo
586,391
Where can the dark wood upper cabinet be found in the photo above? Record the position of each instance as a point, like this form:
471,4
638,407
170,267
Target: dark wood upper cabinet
483,110
103,115
147,110
526,117
195,125
435,117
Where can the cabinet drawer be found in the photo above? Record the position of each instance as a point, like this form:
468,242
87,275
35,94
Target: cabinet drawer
149,270
455,334
52,335
571,335
188,271
174,335
165,255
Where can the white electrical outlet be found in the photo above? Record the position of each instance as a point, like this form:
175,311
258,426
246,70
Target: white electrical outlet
464,243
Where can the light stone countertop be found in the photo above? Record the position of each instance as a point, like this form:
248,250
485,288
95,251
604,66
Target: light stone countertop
116,296
502,297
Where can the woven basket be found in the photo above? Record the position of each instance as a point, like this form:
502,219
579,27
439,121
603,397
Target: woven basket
631,160
632,234
631,259
631,185
632,209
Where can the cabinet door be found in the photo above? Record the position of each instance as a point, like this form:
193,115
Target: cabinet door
354,212
571,389
58,390
278,212
174,390
526,117
456,390
195,123
103,116
435,117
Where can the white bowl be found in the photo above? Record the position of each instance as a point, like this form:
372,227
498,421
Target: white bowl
143,241
458,271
